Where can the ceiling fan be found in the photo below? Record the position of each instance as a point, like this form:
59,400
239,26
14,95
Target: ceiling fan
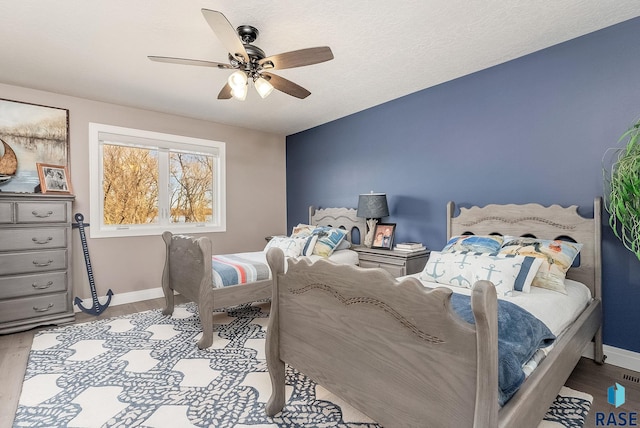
251,63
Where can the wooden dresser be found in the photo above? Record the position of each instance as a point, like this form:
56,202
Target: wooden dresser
35,261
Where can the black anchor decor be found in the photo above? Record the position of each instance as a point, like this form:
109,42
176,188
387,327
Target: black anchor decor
97,308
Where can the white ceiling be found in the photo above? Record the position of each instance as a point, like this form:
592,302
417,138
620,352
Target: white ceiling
97,49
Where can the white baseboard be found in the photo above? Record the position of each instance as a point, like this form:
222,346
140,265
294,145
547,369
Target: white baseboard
615,356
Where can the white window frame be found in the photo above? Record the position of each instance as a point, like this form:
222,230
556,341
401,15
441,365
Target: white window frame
153,140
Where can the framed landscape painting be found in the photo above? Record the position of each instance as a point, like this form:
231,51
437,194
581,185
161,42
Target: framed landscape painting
30,134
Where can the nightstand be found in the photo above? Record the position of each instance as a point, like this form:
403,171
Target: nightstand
397,263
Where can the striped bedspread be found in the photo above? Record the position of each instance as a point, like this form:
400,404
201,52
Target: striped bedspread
233,269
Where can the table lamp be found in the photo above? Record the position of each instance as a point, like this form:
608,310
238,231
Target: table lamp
372,206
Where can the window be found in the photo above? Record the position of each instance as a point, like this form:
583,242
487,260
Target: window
143,183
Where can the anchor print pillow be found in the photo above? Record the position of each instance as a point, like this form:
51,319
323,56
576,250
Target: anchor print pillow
292,247
507,272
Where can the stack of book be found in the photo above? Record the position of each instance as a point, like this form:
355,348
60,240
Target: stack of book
409,246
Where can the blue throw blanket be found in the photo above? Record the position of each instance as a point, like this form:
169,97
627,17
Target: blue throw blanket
520,334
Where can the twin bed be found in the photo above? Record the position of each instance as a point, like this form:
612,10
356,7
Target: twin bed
189,261
396,349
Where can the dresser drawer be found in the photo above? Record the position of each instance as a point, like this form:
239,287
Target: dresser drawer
31,285
375,258
31,307
394,270
397,263
6,212
32,262
41,212
33,238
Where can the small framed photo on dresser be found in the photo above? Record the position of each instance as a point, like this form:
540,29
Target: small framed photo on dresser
54,178
383,236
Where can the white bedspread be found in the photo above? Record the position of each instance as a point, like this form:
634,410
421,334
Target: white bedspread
555,309
344,257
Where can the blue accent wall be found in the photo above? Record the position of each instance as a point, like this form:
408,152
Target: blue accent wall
534,129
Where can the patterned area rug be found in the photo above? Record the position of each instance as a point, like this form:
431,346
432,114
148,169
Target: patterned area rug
146,370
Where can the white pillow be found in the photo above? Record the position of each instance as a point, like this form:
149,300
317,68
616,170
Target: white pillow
463,269
292,247
343,245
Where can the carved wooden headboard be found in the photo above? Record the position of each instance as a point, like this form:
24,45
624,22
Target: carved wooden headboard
541,222
344,218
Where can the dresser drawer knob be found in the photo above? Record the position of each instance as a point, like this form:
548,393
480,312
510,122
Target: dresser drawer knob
37,214
42,241
42,286
37,309
37,263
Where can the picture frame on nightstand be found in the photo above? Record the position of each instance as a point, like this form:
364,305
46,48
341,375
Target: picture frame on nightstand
383,236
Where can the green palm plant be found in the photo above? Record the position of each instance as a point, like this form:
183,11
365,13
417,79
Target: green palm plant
622,189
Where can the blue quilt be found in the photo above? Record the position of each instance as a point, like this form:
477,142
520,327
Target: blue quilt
520,334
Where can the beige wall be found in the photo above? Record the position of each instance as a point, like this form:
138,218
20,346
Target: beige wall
256,190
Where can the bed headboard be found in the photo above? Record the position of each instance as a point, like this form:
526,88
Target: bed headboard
344,218
541,222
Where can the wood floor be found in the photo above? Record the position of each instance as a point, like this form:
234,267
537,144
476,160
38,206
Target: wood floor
587,377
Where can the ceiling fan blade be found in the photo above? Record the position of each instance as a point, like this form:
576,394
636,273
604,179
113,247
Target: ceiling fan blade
185,61
226,33
225,92
297,58
287,86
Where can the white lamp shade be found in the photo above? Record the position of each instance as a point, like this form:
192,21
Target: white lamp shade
263,87
237,79
239,93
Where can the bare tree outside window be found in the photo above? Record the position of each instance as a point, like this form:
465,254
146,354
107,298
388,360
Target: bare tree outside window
191,187
144,183
130,185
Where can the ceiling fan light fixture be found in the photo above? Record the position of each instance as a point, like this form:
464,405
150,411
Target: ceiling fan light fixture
237,80
240,92
263,87
248,61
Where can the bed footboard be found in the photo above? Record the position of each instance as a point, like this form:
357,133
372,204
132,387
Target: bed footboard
394,350
187,270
